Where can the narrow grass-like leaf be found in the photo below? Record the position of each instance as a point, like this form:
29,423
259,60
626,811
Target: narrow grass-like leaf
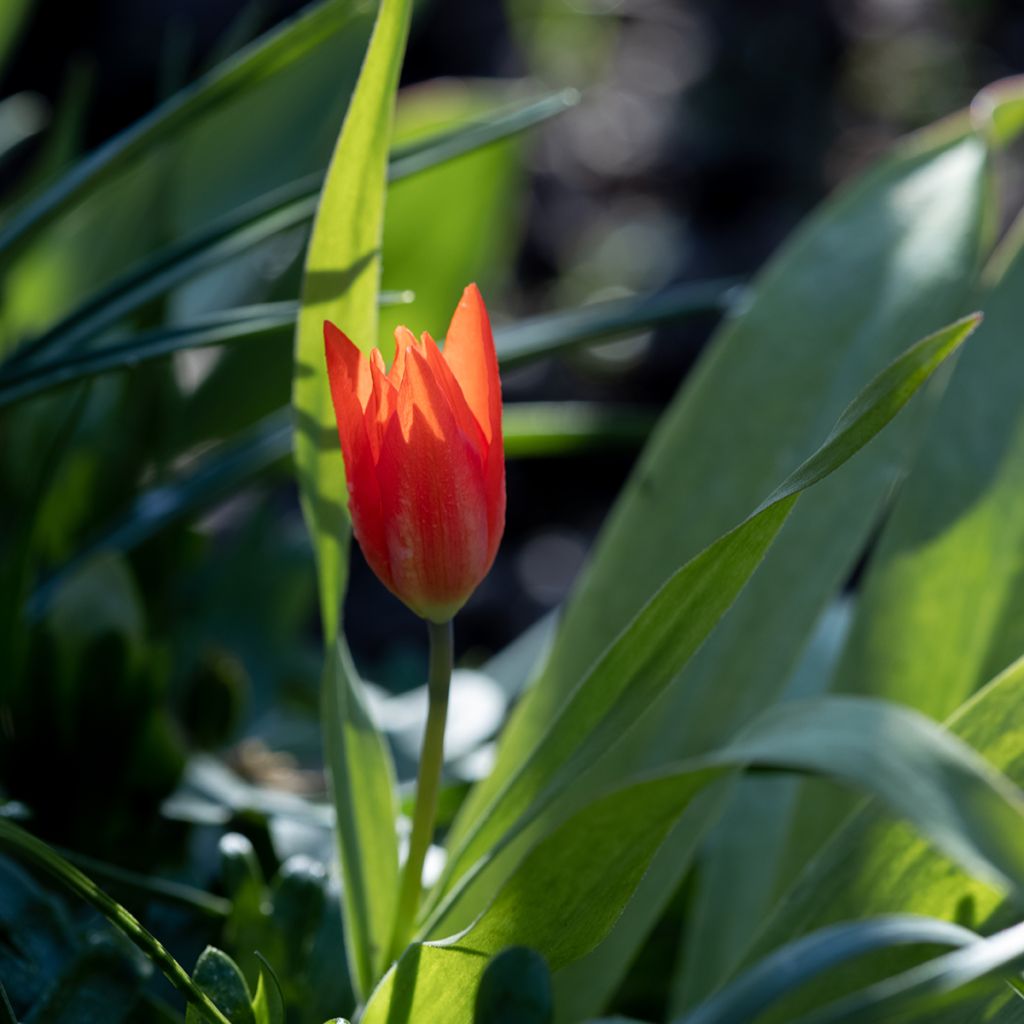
6,1011
532,339
362,780
566,893
341,283
648,654
19,381
27,848
278,48
173,893
558,331
790,967
559,428
916,995
268,1003
212,477
289,206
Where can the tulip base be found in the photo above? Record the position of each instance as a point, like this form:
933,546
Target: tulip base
428,785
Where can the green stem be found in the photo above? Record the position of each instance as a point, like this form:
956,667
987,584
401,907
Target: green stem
41,856
428,786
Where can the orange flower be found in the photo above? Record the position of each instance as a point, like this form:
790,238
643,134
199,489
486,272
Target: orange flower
424,457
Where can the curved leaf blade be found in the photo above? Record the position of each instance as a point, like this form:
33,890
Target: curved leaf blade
649,653
341,283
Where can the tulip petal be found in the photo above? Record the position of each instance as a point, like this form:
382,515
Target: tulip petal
349,375
442,375
434,499
469,351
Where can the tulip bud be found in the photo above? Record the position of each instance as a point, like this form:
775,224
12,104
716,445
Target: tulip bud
424,457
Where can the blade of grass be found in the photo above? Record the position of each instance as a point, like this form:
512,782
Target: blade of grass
517,345
30,850
278,48
789,967
292,205
341,282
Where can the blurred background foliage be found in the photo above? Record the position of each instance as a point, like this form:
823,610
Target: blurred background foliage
165,681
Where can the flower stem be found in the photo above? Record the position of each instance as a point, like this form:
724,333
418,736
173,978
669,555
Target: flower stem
428,785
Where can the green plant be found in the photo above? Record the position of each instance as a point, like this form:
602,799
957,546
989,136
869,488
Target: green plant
675,732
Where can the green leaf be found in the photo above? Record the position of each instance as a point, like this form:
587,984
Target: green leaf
234,234
793,965
531,339
916,994
739,865
533,429
515,988
101,987
6,1013
29,849
253,323
935,619
221,472
827,313
645,658
267,1004
285,44
939,611
219,977
839,300
566,893
13,16
363,789
853,875
566,329
341,283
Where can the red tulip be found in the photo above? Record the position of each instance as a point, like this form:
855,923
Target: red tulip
424,457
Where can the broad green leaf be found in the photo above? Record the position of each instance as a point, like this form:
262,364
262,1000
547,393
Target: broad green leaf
738,867
341,283
875,866
515,988
886,260
939,607
363,788
641,662
566,893
220,978
793,965
936,608
27,848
